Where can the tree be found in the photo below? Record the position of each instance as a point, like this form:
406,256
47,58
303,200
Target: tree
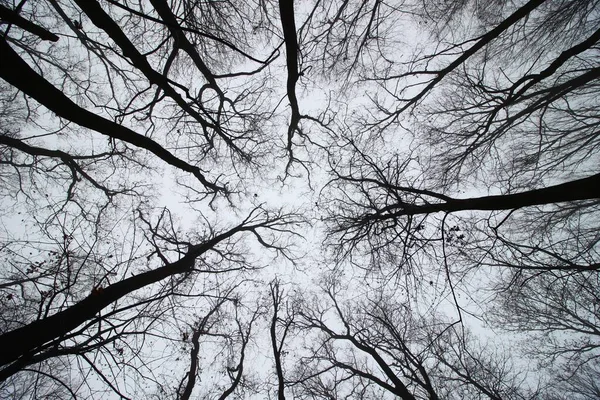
278,341
382,348
561,311
170,170
493,110
101,265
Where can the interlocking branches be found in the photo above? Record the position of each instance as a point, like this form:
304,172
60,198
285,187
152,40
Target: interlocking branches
49,331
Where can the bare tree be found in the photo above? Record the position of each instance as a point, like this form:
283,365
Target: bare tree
104,317
280,329
101,95
559,309
451,160
380,348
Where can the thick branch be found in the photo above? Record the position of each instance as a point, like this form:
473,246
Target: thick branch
67,159
521,13
194,31
276,297
400,388
22,342
103,21
286,11
199,331
12,17
239,368
581,189
163,9
18,73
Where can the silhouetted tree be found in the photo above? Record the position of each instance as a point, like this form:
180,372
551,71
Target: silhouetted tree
380,347
445,153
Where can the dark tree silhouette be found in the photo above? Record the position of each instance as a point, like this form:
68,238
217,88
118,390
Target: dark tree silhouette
379,347
324,199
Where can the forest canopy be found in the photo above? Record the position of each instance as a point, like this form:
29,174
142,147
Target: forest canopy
344,199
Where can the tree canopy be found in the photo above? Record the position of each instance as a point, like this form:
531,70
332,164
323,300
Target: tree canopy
346,199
